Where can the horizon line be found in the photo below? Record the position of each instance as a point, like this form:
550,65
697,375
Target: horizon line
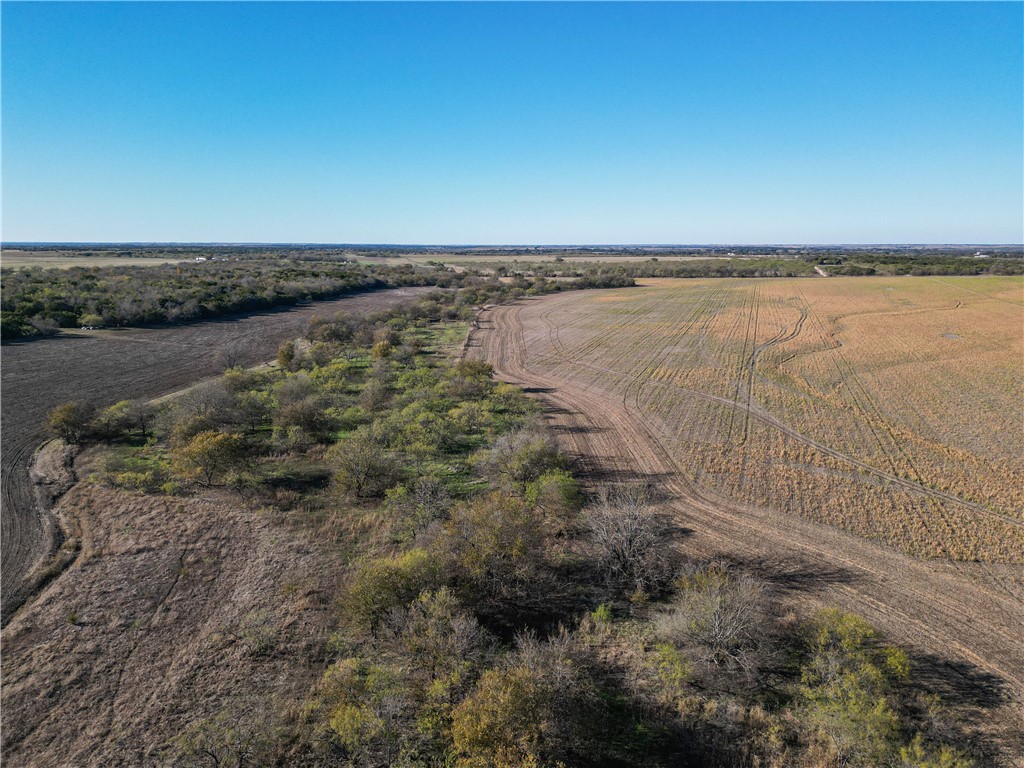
279,244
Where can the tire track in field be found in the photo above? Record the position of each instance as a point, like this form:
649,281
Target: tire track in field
564,356
947,612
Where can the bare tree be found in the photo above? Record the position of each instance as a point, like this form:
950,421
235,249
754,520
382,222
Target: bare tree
721,618
630,539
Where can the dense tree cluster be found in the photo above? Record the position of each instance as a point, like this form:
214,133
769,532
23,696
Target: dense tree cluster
45,300
42,301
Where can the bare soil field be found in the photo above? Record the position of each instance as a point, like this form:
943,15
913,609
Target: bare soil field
591,357
107,366
176,611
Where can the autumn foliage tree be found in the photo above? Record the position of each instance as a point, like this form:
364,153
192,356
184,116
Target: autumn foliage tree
208,456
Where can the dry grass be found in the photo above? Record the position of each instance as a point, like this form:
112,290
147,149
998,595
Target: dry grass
887,407
12,258
176,610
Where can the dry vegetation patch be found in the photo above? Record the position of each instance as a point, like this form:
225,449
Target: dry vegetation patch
176,611
887,407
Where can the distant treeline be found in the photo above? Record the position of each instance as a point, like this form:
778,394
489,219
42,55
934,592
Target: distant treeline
42,301
897,264
657,268
845,265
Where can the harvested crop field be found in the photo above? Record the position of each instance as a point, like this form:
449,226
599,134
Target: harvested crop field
859,439
107,366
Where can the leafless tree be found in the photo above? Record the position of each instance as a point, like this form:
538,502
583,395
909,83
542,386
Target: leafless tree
629,538
721,618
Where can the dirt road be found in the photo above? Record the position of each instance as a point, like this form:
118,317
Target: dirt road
107,366
964,622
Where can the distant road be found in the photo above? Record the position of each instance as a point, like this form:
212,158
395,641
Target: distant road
107,366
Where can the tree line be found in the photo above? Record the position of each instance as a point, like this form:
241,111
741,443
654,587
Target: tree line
42,301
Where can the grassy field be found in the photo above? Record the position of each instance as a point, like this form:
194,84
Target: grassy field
13,258
886,407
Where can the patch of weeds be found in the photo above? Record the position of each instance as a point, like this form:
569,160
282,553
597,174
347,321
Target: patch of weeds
256,632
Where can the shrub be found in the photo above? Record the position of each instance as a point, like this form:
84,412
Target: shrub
520,458
919,754
309,416
496,546
419,503
557,495
501,723
721,619
628,539
844,687
385,583
363,467
207,456
72,421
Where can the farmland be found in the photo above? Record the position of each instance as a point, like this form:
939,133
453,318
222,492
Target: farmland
888,408
865,431
105,366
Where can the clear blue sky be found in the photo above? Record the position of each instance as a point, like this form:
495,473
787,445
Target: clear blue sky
513,123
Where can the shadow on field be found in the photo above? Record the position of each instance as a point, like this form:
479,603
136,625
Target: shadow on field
969,696
788,575
958,681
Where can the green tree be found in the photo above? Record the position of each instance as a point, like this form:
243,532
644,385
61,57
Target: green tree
364,468
501,724
208,456
72,421
845,684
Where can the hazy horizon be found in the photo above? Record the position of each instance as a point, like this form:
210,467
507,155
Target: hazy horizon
496,246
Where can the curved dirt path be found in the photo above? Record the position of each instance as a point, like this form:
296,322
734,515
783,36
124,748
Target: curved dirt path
963,621
107,366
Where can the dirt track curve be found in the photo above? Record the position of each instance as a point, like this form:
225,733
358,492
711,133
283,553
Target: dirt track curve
107,366
964,622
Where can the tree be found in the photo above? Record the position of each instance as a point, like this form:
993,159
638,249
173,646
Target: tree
307,415
496,544
501,723
122,417
72,421
629,540
253,407
844,687
207,456
720,618
364,468
521,457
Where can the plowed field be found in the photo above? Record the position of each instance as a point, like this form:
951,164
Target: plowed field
858,440
107,366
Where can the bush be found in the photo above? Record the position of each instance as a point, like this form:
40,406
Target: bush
207,456
520,458
496,547
721,619
309,416
844,687
363,467
501,723
385,583
557,495
629,542
72,421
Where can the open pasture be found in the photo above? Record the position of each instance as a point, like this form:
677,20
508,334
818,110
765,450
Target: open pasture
12,258
890,408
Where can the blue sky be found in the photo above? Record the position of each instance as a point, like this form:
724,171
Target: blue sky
513,123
